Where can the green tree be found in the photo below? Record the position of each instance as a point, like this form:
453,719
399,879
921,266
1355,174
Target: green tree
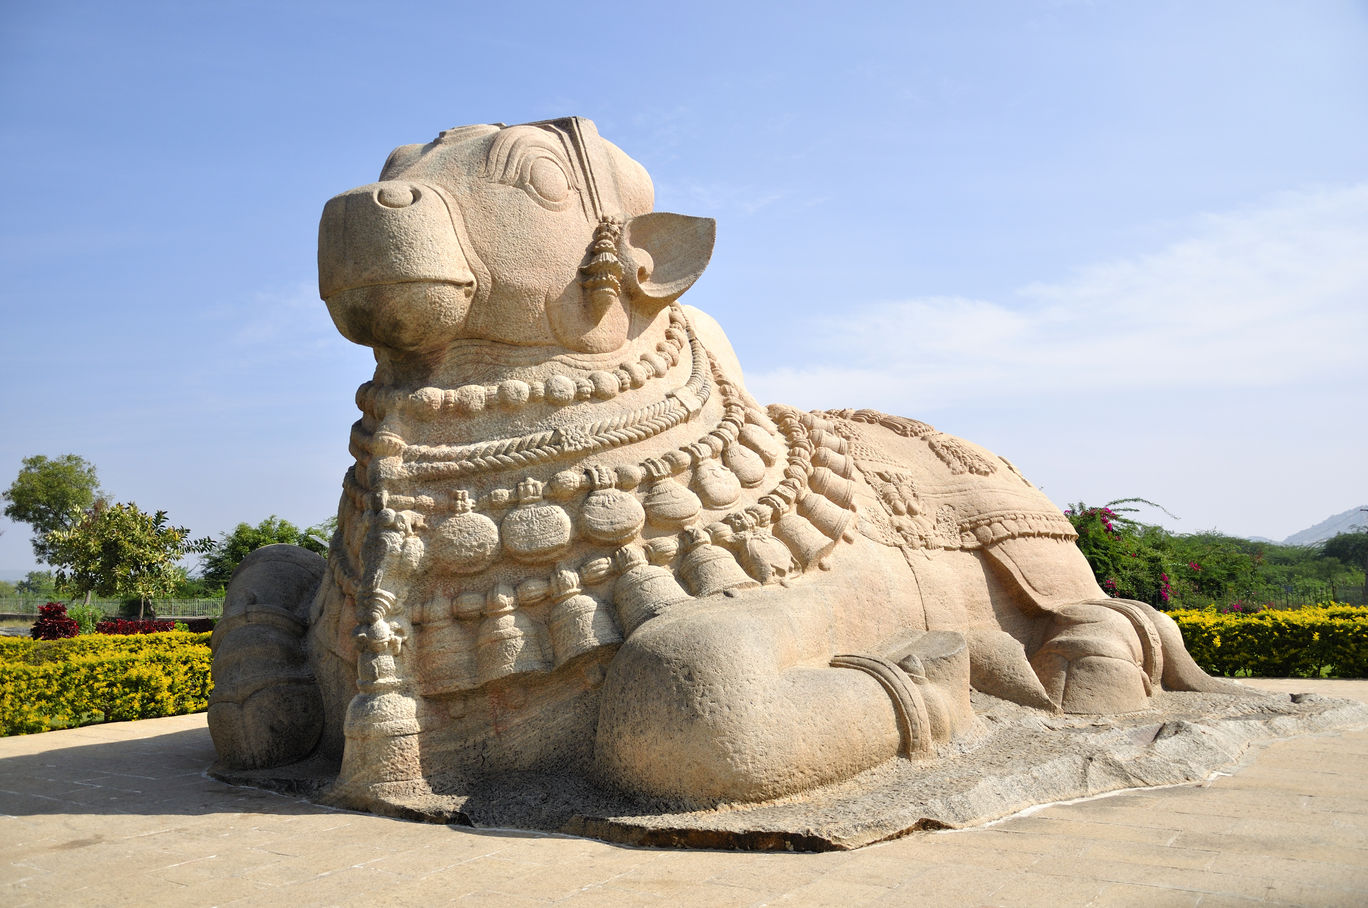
1350,549
230,548
38,584
50,495
120,551
7,590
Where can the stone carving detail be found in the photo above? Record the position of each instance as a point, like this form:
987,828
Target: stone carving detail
572,543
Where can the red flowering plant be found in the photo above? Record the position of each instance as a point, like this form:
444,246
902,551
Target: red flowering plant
53,623
125,626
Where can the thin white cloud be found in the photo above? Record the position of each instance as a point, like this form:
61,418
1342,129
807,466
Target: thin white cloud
291,315
1272,295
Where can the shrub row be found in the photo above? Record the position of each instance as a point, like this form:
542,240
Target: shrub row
1325,640
134,626
46,684
56,622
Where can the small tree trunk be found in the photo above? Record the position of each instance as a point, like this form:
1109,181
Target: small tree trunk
142,603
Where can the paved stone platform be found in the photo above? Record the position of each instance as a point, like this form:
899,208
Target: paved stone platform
123,814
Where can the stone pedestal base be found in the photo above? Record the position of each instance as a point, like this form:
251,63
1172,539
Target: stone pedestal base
1022,757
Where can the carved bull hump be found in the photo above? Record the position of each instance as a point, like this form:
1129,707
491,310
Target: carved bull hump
572,542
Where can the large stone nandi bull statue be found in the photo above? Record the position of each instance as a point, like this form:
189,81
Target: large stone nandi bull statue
573,543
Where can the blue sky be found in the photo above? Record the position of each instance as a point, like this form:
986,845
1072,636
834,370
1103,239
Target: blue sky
1122,244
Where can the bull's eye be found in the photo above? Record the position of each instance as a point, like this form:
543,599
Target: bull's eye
546,181
533,160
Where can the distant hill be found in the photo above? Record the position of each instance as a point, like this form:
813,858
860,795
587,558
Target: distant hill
1346,522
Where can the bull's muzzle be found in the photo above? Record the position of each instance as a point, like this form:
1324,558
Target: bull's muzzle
391,267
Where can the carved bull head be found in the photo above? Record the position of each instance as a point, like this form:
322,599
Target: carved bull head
533,235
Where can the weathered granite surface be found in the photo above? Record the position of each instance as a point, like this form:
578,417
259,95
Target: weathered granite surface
1020,759
583,580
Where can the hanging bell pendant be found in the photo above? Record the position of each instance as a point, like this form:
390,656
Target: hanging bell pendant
669,505
839,464
509,642
535,530
764,557
804,540
464,543
446,659
826,438
611,516
709,569
579,624
745,463
761,442
827,516
717,487
838,489
643,591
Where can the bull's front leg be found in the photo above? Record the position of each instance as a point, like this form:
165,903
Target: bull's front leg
1093,654
728,703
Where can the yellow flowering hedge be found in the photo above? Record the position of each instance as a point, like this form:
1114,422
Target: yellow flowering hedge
1324,640
46,684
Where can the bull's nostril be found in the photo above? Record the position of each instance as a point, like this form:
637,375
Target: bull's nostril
396,196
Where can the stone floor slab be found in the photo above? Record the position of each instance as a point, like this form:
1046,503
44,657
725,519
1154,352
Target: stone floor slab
145,827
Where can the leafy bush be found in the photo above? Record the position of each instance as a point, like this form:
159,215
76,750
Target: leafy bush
85,616
1134,560
53,623
1313,642
63,683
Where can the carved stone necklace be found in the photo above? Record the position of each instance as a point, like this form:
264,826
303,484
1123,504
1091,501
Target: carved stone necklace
377,401
565,604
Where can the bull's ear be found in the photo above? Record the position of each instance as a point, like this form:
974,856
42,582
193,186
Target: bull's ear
663,255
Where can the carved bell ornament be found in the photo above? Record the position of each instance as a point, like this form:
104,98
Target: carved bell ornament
535,530
464,543
669,505
611,516
839,490
579,623
764,557
708,569
717,487
827,516
643,590
761,442
508,642
804,540
745,463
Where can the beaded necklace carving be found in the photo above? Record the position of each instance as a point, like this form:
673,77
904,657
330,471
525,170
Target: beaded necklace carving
496,589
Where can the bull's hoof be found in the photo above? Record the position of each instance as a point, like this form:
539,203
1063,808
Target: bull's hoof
938,664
